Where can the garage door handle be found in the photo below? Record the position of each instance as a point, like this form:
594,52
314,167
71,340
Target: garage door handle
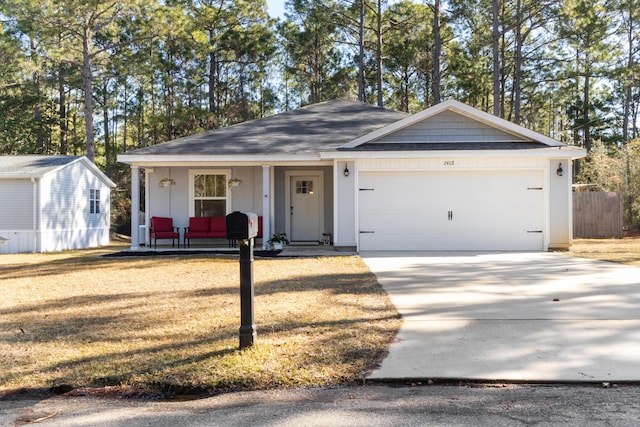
534,231
367,232
450,215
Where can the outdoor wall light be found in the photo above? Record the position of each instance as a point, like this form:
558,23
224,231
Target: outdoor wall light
559,170
346,170
165,182
234,182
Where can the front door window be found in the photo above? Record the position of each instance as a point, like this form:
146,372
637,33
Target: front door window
304,187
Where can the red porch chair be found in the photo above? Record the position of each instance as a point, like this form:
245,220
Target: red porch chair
162,228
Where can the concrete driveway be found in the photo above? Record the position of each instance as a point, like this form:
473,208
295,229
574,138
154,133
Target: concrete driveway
510,316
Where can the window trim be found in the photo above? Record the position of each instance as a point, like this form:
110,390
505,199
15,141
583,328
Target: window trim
193,173
94,201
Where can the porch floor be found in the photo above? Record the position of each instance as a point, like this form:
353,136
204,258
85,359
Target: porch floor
222,247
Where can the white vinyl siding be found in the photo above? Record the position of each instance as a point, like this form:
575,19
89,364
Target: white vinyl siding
67,221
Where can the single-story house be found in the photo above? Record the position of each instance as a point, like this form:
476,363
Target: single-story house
448,178
52,203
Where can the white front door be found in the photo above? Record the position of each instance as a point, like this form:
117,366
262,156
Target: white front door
305,208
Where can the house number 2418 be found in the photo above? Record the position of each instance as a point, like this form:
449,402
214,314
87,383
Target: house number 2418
448,163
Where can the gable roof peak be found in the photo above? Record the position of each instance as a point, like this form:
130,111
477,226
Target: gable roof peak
24,166
458,108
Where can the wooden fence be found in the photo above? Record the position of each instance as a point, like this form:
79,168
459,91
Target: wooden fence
597,215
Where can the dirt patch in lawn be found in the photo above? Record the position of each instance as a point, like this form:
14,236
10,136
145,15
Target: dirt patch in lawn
73,320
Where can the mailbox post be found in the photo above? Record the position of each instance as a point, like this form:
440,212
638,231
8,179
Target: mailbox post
243,227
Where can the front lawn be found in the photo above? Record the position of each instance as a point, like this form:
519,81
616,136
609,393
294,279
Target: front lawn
624,251
170,323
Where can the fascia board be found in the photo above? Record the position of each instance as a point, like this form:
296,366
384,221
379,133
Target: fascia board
197,159
461,108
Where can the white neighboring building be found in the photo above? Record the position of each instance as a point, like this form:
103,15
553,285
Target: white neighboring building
52,203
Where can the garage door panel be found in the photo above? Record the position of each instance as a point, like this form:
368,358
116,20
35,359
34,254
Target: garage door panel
451,210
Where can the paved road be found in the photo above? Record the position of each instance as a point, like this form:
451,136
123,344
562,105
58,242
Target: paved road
373,405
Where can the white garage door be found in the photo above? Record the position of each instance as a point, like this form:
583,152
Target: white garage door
465,210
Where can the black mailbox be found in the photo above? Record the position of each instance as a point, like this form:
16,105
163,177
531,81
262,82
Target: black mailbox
242,225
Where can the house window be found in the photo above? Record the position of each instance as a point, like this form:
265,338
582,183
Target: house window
210,194
94,201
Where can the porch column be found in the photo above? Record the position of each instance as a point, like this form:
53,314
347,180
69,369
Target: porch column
266,204
135,207
147,203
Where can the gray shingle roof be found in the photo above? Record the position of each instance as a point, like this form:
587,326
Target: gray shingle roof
32,165
319,127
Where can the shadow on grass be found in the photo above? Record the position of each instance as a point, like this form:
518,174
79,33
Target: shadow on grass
82,262
77,322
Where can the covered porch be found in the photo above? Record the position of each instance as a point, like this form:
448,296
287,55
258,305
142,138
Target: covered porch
294,199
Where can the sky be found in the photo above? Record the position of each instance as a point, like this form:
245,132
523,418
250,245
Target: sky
276,8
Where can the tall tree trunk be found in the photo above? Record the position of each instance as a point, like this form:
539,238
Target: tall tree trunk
626,112
437,49
169,102
154,126
212,75
88,94
244,108
496,56
628,83
585,112
315,82
125,118
404,105
361,95
517,78
62,110
261,88
139,120
503,73
105,119
379,55
37,111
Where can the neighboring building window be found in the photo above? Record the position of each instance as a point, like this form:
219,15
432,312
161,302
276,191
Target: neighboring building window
210,194
94,201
